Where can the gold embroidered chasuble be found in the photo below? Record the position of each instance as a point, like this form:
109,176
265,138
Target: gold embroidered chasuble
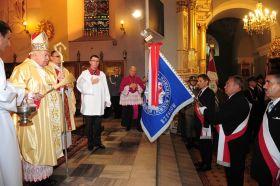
70,96
40,143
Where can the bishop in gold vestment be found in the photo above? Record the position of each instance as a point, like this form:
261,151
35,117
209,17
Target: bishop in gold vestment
40,143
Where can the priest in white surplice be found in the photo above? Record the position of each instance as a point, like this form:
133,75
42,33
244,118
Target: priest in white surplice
10,164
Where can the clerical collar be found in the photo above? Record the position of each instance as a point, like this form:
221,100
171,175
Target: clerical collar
94,72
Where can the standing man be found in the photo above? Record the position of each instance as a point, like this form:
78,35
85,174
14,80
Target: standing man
40,143
10,165
256,112
187,125
131,100
69,97
265,167
232,119
95,97
206,99
114,82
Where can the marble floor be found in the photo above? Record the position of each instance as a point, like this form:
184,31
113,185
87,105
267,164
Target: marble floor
110,166
131,160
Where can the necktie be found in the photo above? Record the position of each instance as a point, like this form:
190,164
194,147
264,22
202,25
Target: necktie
199,94
270,106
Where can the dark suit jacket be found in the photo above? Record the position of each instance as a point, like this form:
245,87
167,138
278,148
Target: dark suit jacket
251,95
114,85
233,112
259,169
207,99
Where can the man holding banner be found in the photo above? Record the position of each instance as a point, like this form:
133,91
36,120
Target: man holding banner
165,95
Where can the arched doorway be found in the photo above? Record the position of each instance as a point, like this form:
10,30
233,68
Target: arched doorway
239,52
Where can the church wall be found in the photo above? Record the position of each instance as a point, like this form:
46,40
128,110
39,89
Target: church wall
170,41
113,48
88,48
75,19
37,10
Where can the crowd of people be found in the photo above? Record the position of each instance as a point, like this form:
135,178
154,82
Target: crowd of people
226,122
231,126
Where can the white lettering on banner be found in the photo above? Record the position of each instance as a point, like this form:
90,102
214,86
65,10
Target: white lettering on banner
168,113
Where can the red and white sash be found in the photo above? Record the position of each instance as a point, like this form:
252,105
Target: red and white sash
269,151
223,156
205,131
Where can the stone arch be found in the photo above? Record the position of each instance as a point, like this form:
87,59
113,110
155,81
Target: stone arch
248,5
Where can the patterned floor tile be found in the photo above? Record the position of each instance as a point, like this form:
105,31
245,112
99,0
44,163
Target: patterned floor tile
98,159
88,170
110,182
116,171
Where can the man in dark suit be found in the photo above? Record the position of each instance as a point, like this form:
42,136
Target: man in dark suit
206,99
114,82
186,117
256,112
232,119
265,167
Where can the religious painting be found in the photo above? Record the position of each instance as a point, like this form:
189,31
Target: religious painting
96,18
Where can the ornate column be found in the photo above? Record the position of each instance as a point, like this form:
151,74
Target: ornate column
192,51
192,23
202,61
182,34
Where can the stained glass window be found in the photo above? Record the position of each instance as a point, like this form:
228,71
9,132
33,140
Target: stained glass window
96,19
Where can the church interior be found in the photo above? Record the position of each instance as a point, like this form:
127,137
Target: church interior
113,30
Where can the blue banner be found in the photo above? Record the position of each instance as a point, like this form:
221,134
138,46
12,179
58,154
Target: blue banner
173,96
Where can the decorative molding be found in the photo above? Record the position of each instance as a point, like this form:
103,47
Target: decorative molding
47,27
203,10
181,6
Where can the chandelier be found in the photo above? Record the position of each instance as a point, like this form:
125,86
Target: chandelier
259,20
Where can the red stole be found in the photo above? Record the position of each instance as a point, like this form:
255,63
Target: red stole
223,155
66,106
269,151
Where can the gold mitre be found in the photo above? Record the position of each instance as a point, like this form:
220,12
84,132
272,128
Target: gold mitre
39,41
